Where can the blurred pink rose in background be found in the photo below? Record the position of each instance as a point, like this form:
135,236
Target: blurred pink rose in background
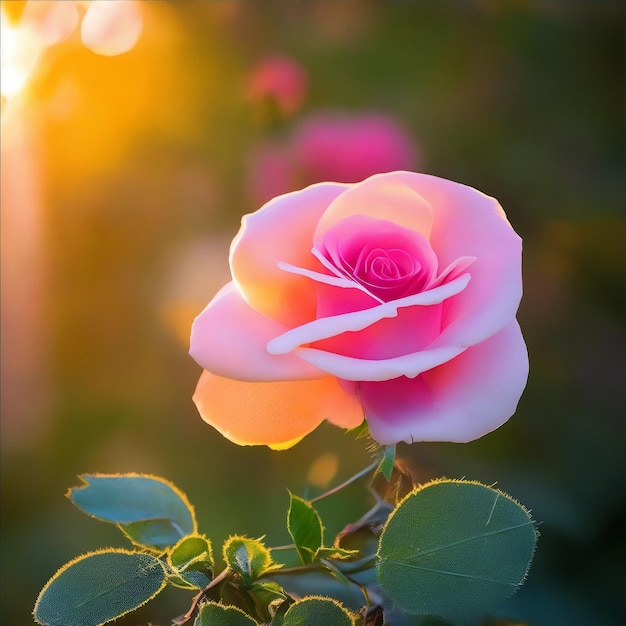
349,148
331,145
393,299
280,79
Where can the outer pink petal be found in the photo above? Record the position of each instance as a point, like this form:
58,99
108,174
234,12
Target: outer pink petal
229,338
383,197
459,401
281,231
277,414
466,222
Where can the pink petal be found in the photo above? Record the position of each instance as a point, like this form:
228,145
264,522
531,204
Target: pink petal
459,401
281,231
412,330
350,368
382,197
326,327
228,339
466,223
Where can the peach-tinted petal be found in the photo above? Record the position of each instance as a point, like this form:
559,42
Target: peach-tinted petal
459,401
281,231
466,222
229,338
273,413
381,197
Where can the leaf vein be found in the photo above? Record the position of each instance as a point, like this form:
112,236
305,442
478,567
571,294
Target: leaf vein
449,573
468,539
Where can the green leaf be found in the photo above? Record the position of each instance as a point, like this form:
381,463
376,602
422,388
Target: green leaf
317,611
266,597
214,614
192,561
305,527
150,510
387,462
455,549
99,587
249,558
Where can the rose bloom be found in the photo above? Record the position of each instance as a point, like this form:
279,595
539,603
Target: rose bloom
281,79
392,299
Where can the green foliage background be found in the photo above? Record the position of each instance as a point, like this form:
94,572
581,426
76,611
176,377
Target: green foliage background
142,167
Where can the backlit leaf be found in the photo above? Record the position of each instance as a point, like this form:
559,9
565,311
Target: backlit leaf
249,558
305,527
317,611
99,587
455,549
150,510
214,614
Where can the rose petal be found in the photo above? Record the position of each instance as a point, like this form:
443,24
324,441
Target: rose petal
382,197
277,414
350,368
326,327
413,330
281,231
466,222
229,338
460,401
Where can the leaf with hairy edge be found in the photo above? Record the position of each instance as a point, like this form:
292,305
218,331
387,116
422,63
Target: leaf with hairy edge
150,510
214,614
305,527
192,560
249,558
318,611
99,587
455,549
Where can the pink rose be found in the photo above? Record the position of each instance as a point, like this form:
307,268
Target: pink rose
281,79
392,299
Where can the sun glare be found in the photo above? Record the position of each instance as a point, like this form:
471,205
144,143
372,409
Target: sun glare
18,55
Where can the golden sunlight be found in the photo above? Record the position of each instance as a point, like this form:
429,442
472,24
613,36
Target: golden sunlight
19,52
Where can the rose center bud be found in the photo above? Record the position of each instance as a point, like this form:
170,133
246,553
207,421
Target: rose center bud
389,261
382,265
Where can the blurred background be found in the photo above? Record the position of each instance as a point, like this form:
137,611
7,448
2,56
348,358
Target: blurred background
135,136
